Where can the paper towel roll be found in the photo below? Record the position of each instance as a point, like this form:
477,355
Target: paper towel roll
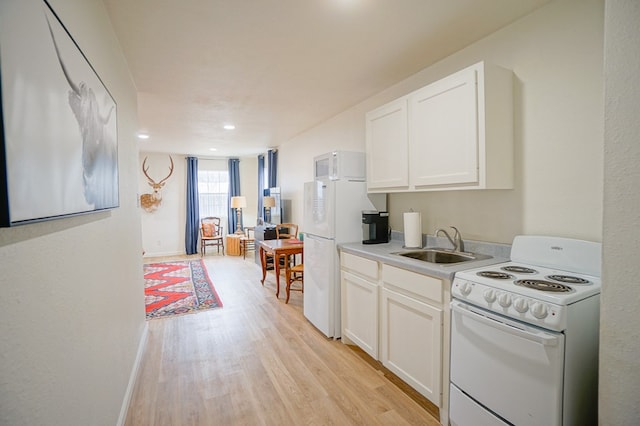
412,230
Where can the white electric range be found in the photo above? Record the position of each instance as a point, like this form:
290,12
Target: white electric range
524,338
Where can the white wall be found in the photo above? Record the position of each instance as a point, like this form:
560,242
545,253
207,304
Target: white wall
163,231
295,158
620,316
72,305
556,54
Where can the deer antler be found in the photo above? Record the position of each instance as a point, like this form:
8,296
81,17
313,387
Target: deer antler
170,171
145,169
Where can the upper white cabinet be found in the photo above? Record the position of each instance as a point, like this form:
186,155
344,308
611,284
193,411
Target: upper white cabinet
387,150
458,135
444,139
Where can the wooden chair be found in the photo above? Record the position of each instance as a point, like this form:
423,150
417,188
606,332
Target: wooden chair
247,241
294,274
286,230
211,234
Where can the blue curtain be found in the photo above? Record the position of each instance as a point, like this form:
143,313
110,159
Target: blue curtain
261,187
234,190
193,208
273,167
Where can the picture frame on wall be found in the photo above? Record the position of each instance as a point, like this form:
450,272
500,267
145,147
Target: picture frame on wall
58,121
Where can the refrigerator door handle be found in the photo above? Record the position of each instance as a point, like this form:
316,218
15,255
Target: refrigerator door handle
316,237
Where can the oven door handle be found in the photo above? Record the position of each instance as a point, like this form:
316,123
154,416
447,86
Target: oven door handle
504,325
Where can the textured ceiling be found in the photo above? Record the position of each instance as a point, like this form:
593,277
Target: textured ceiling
275,68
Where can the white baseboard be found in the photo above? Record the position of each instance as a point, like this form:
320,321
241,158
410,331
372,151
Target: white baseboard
162,254
133,376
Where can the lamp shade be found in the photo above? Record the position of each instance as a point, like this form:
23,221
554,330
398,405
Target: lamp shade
238,202
269,201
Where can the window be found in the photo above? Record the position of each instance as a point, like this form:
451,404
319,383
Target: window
213,193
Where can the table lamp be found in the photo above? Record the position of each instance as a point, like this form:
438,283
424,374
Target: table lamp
268,203
238,203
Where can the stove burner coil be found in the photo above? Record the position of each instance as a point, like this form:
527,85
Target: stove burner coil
495,275
519,269
569,279
544,286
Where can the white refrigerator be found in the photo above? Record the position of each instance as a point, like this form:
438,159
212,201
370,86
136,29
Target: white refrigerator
332,215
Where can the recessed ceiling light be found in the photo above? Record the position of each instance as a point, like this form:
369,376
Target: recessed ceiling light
143,135
213,149
229,126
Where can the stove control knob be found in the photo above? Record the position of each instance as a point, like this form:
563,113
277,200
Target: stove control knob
465,288
521,305
504,299
539,310
489,295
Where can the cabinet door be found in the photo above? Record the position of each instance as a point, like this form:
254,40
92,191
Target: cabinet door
386,140
360,312
443,138
411,336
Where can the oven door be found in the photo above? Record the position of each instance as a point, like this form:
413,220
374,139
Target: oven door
504,370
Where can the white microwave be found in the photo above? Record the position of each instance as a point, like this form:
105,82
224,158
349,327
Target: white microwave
339,165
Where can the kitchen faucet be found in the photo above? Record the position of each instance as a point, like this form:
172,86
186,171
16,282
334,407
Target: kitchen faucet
456,241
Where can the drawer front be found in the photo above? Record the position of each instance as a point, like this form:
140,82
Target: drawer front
360,265
421,285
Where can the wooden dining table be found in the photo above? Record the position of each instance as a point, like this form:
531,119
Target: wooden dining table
278,249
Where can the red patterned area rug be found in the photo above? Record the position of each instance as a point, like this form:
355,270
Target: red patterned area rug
176,288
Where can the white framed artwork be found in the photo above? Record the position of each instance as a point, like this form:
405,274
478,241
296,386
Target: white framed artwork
58,138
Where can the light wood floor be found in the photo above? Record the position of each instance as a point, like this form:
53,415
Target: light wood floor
257,361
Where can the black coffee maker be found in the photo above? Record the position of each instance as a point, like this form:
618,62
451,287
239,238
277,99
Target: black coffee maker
375,227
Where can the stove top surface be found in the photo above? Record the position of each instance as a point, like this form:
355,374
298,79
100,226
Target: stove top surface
548,281
536,282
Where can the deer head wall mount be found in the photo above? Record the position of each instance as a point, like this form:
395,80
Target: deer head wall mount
151,202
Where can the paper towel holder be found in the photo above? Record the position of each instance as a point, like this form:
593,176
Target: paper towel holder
412,230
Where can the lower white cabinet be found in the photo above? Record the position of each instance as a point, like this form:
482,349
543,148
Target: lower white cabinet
360,322
359,278
411,342
397,316
411,330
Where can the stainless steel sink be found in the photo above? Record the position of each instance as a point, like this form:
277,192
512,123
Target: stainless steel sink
437,255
